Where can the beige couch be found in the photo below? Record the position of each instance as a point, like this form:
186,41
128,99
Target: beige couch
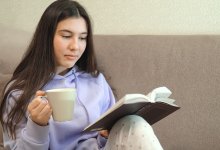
188,65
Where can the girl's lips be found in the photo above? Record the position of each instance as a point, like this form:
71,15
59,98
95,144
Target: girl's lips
71,57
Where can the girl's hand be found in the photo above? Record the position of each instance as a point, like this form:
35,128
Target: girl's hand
104,133
39,109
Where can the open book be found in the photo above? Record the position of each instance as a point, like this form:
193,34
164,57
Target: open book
152,107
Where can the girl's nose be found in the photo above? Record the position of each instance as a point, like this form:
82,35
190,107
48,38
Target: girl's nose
74,44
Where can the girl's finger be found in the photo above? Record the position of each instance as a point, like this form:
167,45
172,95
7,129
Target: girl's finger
39,93
41,106
34,103
46,111
104,133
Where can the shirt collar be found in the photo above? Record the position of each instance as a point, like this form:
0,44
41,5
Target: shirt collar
72,71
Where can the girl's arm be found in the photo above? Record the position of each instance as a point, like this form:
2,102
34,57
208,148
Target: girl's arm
31,132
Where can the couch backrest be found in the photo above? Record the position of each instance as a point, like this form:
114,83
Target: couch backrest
188,65
12,46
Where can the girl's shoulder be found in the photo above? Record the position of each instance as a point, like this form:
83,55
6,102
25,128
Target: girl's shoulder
15,93
99,77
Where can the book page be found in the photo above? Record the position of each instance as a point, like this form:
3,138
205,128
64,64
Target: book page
160,92
136,98
166,100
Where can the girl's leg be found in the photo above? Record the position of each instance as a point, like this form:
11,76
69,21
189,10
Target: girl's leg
132,133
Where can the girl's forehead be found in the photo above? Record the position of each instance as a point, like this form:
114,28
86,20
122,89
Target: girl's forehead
73,24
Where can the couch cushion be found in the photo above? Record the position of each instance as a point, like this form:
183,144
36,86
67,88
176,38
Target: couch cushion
12,46
188,65
3,81
13,43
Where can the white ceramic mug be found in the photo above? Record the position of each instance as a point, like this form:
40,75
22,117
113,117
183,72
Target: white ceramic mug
62,102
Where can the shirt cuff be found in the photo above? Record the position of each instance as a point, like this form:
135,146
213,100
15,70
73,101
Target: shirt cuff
36,133
101,141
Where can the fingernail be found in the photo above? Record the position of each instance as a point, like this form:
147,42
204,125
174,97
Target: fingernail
44,99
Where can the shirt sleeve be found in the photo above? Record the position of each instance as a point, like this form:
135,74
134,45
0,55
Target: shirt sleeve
109,96
29,135
110,101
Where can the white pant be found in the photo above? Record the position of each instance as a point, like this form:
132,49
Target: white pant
132,133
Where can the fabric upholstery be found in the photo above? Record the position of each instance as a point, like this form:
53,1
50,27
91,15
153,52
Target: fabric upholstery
187,64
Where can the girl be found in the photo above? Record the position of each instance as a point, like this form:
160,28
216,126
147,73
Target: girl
61,55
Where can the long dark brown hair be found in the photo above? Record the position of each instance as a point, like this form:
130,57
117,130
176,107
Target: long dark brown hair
37,67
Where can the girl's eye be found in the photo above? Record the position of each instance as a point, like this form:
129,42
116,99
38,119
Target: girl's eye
83,38
66,36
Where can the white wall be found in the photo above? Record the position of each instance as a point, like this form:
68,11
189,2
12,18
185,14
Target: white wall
126,16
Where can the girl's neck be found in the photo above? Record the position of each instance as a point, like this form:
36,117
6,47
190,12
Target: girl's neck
61,71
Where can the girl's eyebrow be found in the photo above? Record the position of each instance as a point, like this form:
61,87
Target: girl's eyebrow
65,30
68,31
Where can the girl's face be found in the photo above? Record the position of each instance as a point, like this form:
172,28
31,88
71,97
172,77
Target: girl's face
69,42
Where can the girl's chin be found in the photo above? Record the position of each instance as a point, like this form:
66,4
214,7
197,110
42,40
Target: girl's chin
69,66
65,66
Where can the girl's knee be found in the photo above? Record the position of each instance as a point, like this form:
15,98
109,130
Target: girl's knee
129,128
133,120
133,123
